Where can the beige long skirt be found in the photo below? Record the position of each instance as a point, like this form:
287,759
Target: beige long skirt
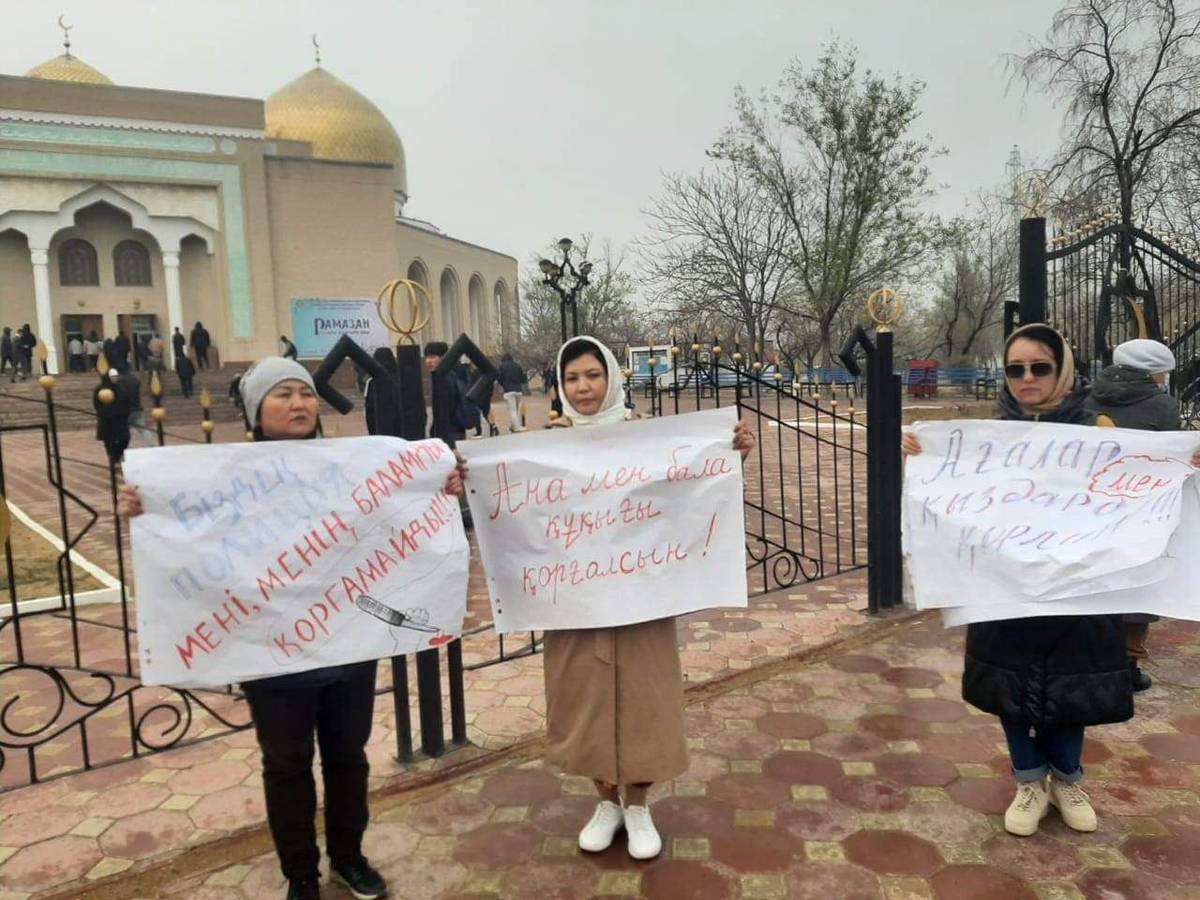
614,702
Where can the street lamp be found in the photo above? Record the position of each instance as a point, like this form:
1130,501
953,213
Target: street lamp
567,280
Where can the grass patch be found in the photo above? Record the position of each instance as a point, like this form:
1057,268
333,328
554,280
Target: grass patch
34,565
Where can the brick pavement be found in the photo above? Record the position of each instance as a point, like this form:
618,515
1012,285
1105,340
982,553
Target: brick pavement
859,775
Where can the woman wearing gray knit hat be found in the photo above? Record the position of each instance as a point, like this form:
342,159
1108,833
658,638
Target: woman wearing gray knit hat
335,703
1132,392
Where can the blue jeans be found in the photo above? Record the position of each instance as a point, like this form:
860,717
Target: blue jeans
1038,751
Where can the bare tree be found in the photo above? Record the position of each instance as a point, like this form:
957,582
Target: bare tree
716,252
963,322
835,150
1128,74
607,308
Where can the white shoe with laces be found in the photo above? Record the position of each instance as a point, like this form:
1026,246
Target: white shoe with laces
606,821
1073,805
644,840
1027,809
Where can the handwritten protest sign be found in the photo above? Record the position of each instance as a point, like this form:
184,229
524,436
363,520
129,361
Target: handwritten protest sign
1016,519
610,525
253,560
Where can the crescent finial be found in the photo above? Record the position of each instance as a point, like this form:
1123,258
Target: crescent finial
66,30
317,46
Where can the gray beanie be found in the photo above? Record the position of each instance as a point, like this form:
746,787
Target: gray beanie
264,375
1149,356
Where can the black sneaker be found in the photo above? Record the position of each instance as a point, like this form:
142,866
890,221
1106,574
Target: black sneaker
304,889
360,879
1141,681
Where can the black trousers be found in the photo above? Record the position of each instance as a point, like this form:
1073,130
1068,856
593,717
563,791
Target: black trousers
285,718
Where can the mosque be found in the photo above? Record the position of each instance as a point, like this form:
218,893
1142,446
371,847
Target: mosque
134,210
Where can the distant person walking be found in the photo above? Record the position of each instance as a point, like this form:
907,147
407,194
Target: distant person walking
26,341
186,370
91,349
1132,392
120,352
289,349
156,358
7,359
200,344
141,350
75,354
512,384
178,343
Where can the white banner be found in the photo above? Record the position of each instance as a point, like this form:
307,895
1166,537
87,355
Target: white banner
610,525
1016,519
252,560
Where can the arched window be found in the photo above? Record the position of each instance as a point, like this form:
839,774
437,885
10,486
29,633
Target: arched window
77,263
475,309
448,288
500,297
131,264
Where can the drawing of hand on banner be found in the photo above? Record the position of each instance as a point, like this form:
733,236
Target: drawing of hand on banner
610,525
1008,519
254,560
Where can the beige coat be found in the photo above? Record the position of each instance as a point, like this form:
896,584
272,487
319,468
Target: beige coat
614,702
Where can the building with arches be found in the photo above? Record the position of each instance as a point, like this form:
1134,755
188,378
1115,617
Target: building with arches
135,210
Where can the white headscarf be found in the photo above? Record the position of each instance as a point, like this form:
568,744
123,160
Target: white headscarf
613,408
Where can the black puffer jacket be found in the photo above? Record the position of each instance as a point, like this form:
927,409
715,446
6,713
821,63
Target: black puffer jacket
1132,400
1050,670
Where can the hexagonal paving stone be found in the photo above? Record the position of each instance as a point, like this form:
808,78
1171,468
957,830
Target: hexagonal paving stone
498,846
790,725
757,849
1173,858
946,824
979,883
800,767
748,791
1181,747
894,727
870,794
934,710
692,816
231,808
1037,860
909,676
916,769
1111,884
985,795
129,800
1150,771
146,834
893,853
859,664
54,862
678,879
740,744
737,706
849,745
551,881
826,881
520,787
27,828
210,777
818,821
453,812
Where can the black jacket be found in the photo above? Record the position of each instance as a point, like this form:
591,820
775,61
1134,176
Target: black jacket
512,376
1132,400
1050,670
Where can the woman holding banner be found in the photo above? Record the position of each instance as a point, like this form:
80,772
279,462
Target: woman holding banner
335,703
1046,678
614,696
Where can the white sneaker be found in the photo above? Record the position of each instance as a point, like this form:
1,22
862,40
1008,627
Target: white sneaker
1073,805
644,840
1027,809
598,833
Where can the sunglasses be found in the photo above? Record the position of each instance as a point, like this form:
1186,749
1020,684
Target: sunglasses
1039,370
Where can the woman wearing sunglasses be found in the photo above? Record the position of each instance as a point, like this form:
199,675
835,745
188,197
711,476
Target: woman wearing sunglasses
1028,671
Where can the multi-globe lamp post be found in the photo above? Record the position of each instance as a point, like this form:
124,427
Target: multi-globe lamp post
567,280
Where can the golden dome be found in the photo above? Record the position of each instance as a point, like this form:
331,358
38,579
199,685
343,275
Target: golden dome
337,120
66,67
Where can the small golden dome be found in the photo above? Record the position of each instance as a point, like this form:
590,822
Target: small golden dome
337,120
66,67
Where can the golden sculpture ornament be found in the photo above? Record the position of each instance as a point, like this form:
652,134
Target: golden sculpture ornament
420,307
886,308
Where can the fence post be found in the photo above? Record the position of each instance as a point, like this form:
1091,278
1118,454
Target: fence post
1031,271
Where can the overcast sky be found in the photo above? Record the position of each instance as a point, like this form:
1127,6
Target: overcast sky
524,120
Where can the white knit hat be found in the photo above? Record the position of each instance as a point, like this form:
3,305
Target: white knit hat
264,375
1149,356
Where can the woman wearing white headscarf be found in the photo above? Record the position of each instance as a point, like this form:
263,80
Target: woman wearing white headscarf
614,696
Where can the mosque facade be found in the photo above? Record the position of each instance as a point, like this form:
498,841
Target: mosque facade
134,210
